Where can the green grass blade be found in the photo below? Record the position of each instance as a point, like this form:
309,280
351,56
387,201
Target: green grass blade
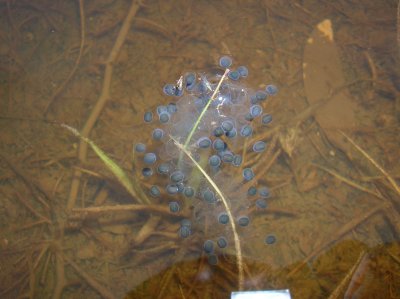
117,171
198,120
238,248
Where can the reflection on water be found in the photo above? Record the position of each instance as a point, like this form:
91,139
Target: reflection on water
327,226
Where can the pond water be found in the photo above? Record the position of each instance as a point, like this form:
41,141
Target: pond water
190,149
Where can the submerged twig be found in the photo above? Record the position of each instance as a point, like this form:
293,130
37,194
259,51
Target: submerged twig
369,158
97,286
102,100
77,61
133,208
398,26
356,221
36,189
338,292
348,181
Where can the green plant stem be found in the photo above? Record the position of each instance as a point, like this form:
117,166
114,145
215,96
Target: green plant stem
238,249
196,124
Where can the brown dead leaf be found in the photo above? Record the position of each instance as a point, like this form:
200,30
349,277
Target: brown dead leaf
322,74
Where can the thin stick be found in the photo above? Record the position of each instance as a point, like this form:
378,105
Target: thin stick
387,175
165,282
60,276
43,277
339,290
398,26
77,61
102,100
30,208
97,286
29,225
337,236
238,248
133,208
36,189
348,182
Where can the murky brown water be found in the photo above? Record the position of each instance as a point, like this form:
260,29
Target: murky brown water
70,229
